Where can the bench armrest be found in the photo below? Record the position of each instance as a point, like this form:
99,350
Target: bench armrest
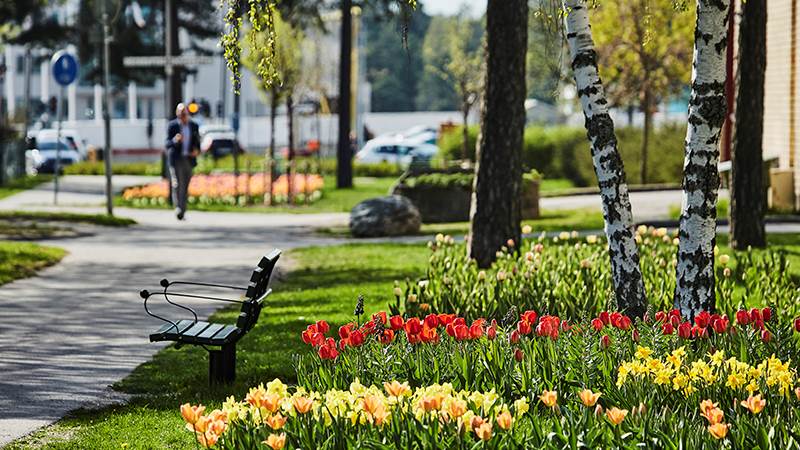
145,294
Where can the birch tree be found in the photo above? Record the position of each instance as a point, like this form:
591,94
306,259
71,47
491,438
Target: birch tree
694,291
616,205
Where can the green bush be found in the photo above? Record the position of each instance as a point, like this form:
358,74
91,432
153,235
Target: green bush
563,152
97,168
458,179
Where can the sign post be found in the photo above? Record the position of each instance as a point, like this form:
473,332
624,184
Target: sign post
65,71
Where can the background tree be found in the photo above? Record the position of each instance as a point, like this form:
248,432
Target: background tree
623,252
747,187
546,55
646,45
462,67
694,291
496,203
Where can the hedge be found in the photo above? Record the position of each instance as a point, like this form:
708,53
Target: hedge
563,152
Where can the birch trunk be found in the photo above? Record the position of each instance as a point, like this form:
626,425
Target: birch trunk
707,109
624,254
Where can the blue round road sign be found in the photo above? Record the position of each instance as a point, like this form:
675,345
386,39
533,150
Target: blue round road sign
65,67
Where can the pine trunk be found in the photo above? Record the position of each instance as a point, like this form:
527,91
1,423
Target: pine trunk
273,112
707,110
495,212
290,155
619,227
747,195
344,157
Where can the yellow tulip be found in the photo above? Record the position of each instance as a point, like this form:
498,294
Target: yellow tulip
549,398
714,415
191,413
276,422
276,442
588,397
396,389
484,432
504,420
302,404
754,403
718,430
616,415
457,408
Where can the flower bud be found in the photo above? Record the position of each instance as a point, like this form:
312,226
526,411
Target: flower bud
766,336
518,355
605,341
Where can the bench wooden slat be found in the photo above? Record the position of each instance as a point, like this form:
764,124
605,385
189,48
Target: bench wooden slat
195,330
223,336
211,331
167,332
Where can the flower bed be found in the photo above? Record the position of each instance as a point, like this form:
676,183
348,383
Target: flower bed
227,189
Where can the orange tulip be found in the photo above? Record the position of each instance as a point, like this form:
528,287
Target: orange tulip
276,422
616,415
707,405
588,397
371,403
797,393
484,432
218,415
396,389
714,415
598,410
504,420
276,442
191,413
457,408
380,415
302,404
754,403
432,402
207,440
549,398
718,430
271,401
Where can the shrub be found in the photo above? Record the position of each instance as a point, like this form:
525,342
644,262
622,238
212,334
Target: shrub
563,152
461,180
98,168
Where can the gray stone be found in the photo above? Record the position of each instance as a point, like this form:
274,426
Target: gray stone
393,215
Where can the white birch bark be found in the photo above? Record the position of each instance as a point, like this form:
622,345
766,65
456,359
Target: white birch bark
694,291
616,205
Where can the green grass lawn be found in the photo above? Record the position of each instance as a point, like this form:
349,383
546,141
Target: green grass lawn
22,184
333,200
23,259
34,225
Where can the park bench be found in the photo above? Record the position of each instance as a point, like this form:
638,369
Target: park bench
218,339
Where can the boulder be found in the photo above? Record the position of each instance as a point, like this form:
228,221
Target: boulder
393,215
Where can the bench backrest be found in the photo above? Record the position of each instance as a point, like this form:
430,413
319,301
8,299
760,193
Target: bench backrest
257,290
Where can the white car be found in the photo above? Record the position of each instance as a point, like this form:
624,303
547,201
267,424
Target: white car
219,144
42,159
394,151
72,137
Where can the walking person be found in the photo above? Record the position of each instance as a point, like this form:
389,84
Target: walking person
183,146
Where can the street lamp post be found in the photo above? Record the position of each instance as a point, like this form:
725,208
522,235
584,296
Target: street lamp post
107,108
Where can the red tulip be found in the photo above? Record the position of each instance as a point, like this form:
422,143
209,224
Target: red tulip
518,355
685,330
742,318
379,316
766,313
322,326
661,316
459,321
797,324
624,323
413,326
445,319
524,327
667,328
597,324
476,329
431,320
491,333
755,314
461,332
675,313
345,330
605,317
514,336
529,316
635,336
720,325
758,324
356,338
703,319
766,336
605,341
396,322
615,319
675,320
327,352
700,332
387,337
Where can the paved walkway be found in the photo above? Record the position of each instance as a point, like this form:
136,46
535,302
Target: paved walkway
79,326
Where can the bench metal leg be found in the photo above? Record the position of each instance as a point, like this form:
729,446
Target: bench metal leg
222,365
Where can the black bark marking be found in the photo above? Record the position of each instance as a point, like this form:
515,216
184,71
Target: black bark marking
584,58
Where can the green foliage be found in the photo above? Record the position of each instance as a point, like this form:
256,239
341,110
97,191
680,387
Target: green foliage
98,168
463,180
563,152
22,184
570,277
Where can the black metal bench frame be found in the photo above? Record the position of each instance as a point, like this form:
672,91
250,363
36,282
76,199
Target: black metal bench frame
218,339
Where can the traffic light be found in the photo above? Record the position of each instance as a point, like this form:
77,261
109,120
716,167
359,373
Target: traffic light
193,108
52,105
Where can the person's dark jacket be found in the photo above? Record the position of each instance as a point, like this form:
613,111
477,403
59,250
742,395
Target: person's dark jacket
175,149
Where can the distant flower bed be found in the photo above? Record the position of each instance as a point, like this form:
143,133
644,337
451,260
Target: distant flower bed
227,189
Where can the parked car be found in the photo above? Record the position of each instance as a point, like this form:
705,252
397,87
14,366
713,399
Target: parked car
42,159
72,137
394,151
219,144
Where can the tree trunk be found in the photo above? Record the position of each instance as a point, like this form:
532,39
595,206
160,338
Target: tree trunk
175,81
465,129
290,156
747,194
495,212
624,254
694,291
344,157
273,112
648,128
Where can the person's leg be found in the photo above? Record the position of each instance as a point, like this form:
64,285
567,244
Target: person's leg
185,174
174,181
